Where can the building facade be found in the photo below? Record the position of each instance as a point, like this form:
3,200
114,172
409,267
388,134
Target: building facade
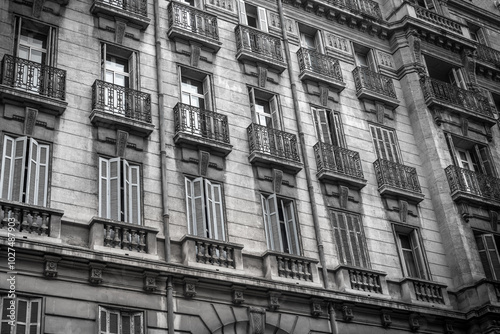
231,166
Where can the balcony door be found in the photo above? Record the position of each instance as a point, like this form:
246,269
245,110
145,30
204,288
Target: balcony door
196,100
385,143
255,17
310,41
266,113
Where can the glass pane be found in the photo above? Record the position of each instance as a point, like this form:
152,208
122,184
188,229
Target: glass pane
24,52
36,56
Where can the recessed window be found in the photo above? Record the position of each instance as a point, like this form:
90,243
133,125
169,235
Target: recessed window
411,252
488,253
253,16
328,126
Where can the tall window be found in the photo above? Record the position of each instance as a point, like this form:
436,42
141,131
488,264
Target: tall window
477,33
364,58
349,237
204,207
120,322
471,156
280,224
488,253
25,170
253,16
328,126
28,315
119,190
265,109
385,143
411,253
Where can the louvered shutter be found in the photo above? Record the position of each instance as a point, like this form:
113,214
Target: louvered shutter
451,148
336,233
199,218
251,97
370,58
215,211
22,315
457,78
103,187
4,320
113,322
360,242
262,19
114,189
126,192
43,174
486,161
275,240
483,255
385,144
207,92
267,221
34,316
317,42
336,129
273,105
135,195
126,323
418,255
132,71
37,177
7,167
243,13
137,323
353,241
190,206
211,219
20,148
291,228
322,127
31,181
344,237
492,255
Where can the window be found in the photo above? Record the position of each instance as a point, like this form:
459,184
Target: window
265,109
488,253
28,315
204,207
349,237
411,253
25,170
385,143
456,78
365,58
428,4
444,71
119,190
470,156
310,38
280,224
253,16
328,127
120,322
477,33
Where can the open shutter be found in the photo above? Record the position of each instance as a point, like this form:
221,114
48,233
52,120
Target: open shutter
132,71
456,78
114,322
126,192
34,316
17,183
492,253
486,161
207,92
251,97
103,61
43,174
211,219
483,255
430,5
135,195
199,208
482,167
418,254
336,130
4,312
103,187
32,177
270,207
114,189
370,58
37,177
451,148
22,315
273,105
214,209
336,233
385,144
267,221
291,228
243,13
262,19
322,126
126,323
317,42
351,221
137,323
7,167
191,218
344,238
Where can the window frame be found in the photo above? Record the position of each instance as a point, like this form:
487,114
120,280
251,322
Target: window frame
132,58
275,112
120,314
368,53
489,271
418,252
51,49
329,121
207,85
30,300
395,149
261,18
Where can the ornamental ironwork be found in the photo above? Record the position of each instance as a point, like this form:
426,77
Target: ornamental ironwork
121,101
34,77
277,143
366,7
464,180
373,81
193,20
139,7
314,61
258,42
435,18
199,122
396,175
338,160
488,54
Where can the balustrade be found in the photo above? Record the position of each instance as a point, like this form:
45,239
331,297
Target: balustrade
464,180
365,280
199,122
34,77
294,268
338,160
224,4
214,253
428,292
258,43
367,7
373,81
435,18
131,238
488,54
277,143
314,61
396,175
193,20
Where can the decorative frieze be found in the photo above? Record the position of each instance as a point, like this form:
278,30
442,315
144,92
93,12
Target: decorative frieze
274,300
385,59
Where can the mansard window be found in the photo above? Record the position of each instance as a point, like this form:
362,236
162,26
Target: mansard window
280,224
488,253
328,127
113,321
205,208
471,156
119,190
385,143
27,315
349,237
25,170
253,16
411,252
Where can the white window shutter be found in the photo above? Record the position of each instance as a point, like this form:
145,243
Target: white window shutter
321,121
132,71
385,144
336,129
243,13
43,174
486,160
267,221
37,174
199,208
344,238
207,92
103,187
217,219
34,316
211,219
273,220
492,253
21,146
114,189
251,96
262,19
318,42
190,206
291,227
135,195
273,105
7,167
418,255
126,192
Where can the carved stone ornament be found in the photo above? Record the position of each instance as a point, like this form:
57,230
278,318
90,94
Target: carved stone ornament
238,295
120,27
448,328
277,180
438,116
380,112
464,211
95,273
316,309
403,211
414,323
204,159
262,72
347,313
150,281
344,195
50,266
465,127
323,95
37,7
30,121
488,133
257,320
494,220
190,287
121,143
274,301
386,319
195,54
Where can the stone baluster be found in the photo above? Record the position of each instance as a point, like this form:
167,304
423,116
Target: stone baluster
214,250
142,242
34,226
229,257
133,237
125,239
107,236
45,222
116,239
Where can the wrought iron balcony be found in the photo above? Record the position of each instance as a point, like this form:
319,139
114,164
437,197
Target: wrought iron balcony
488,55
375,86
39,84
257,46
473,187
135,12
201,128
366,7
448,96
319,67
192,24
438,20
339,165
273,147
121,107
397,180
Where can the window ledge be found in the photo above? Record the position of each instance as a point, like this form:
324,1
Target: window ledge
46,104
106,119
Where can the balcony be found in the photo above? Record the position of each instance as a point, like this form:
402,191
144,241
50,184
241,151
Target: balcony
32,84
489,57
259,47
122,238
468,186
318,67
355,279
397,180
201,129
287,267
205,252
273,148
191,24
416,290
469,104
121,108
339,165
438,20
135,12
29,220
375,86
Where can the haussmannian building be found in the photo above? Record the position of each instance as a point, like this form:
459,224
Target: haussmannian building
250,167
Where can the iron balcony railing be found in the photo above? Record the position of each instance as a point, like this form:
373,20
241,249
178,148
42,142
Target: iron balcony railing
367,7
488,54
319,63
202,123
121,101
33,77
277,143
139,7
396,175
190,19
485,186
373,81
258,42
336,159
435,18
452,95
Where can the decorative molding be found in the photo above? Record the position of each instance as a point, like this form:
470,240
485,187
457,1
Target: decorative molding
493,220
343,196
95,272
121,142
416,46
30,121
37,8
385,59
469,62
190,287
195,54
438,116
403,211
257,320
413,321
277,180
465,127
238,295
316,309
262,73
50,266
380,109
338,43
347,313
204,159
150,280
488,133
120,27
464,212
323,95
448,327
385,316
274,300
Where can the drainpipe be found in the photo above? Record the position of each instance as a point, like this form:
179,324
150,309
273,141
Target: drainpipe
163,160
333,322
303,148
